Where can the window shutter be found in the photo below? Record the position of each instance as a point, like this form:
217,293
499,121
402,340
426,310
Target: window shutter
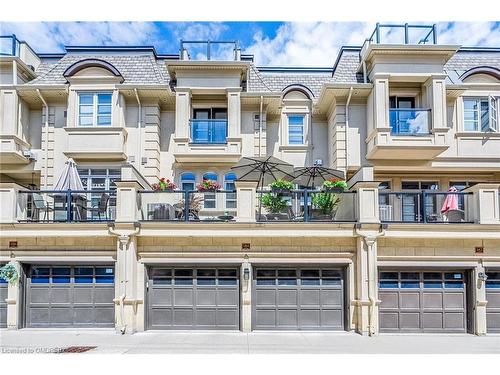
493,112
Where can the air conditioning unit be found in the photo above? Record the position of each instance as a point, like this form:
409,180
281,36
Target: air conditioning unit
29,154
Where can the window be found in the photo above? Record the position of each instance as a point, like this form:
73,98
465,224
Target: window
94,109
481,114
296,129
98,179
187,181
209,200
209,125
229,185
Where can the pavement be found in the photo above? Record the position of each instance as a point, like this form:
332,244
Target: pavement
206,342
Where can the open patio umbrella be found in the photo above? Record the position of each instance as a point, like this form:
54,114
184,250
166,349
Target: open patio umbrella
69,178
316,175
450,202
263,170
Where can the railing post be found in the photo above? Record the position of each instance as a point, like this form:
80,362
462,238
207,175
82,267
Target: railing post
246,200
68,205
406,33
186,205
422,208
377,33
485,203
12,203
306,205
434,35
127,202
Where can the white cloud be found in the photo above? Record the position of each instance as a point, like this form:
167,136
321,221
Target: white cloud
317,44
51,37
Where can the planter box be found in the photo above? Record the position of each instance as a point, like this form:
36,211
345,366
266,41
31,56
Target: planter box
333,190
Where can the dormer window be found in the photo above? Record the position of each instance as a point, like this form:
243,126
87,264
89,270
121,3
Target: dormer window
94,109
296,129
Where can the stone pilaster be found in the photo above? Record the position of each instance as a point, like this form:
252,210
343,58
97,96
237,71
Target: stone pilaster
246,296
246,195
13,300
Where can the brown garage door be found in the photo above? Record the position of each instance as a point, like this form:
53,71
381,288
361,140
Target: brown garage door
422,301
493,298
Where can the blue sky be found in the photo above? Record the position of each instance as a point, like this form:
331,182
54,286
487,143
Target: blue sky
272,43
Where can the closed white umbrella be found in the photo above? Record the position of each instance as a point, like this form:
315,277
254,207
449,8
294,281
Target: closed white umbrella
69,178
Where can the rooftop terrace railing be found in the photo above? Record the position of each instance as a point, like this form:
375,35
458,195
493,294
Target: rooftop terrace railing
9,45
403,34
209,50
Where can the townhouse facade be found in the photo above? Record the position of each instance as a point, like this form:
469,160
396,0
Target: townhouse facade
411,125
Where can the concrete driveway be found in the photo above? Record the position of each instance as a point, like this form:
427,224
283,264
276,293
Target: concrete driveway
107,341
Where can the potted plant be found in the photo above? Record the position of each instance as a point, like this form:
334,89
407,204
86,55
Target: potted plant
275,204
164,185
281,186
324,205
208,185
334,185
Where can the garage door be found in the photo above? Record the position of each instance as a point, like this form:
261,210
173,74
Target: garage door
3,304
493,298
70,296
193,298
422,301
298,299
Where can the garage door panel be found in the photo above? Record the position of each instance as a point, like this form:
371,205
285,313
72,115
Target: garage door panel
389,320
309,297
331,297
454,320
198,298
410,300
229,297
432,300
287,297
266,297
453,301
332,318
432,320
493,300
309,318
70,296
287,318
390,300
493,321
265,319
3,304
183,297
409,320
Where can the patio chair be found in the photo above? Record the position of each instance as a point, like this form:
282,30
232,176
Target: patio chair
101,208
455,216
39,204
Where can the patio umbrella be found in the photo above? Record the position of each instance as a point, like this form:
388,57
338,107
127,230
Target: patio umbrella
312,176
263,170
451,201
69,178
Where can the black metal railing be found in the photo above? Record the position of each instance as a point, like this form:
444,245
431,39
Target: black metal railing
305,206
410,121
187,205
49,206
425,207
208,131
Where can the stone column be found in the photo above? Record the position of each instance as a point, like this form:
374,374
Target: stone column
13,299
182,112
127,201
480,302
246,296
13,205
483,206
126,301
367,210
233,112
381,102
366,285
246,200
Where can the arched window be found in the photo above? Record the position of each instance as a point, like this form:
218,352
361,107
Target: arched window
188,180
210,198
229,179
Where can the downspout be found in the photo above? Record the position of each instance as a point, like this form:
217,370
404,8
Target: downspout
371,277
139,125
260,125
124,240
46,128
347,128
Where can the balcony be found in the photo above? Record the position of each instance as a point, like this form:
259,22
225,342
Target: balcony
12,150
207,206
425,207
70,206
305,206
411,122
208,141
208,132
96,143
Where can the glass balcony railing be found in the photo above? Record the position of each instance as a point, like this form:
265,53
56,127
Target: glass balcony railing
411,121
425,207
208,131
